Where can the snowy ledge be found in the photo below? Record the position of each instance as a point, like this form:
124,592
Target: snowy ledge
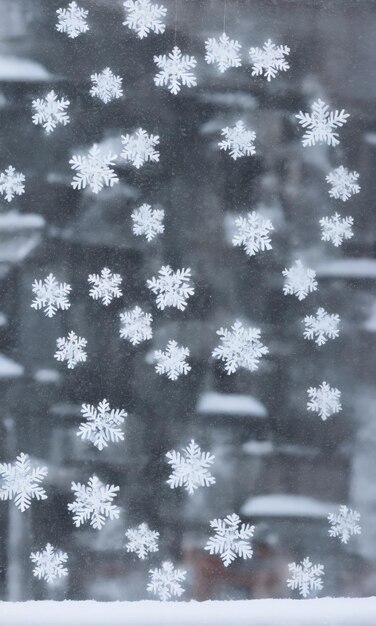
317,612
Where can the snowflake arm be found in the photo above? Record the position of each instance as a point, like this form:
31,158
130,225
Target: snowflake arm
231,539
165,582
171,288
324,400
71,349
238,140
72,20
11,183
106,86
322,327
224,52
142,540
253,233
172,361
344,183
139,148
103,424
49,563
190,469
50,111
50,295
344,523
175,70
148,221
321,124
269,60
136,326
305,577
93,502
240,347
106,286
300,281
336,229
94,170
142,17
21,482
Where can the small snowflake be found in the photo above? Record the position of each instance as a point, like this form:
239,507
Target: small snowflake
241,347
321,124
93,502
300,281
322,327
336,229
11,183
142,540
231,539
270,59
344,524
306,577
223,52
72,20
172,361
139,148
148,221
21,482
175,70
143,17
50,295
94,170
172,288
102,424
343,183
106,286
136,326
238,140
71,349
106,86
49,111
49,563
253,233
165,582
325,400
190,469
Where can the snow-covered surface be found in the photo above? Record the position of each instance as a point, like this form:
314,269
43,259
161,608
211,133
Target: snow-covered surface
286,505
347,268
19,69
13,220
212,402
9,368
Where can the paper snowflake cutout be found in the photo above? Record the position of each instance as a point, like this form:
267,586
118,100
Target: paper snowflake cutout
306,577
172,288
238,140
49,563
106,286
94,170
321,124
139,148
136,326
324,400
175,70
102,424
190,469
253,233
343,183
336,229
11,183
241,347
172,361
300,281
142,540
322,327
106,86
71,349
21,482
148,221
50,111
223,51
344,524
142,16
93,502
165,582
269,60
231,539
72,20
50,295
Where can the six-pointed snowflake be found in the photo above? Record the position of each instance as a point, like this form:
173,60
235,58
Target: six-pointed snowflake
148,221
11,183
190,469
106,286
136,326
102,424
175,70
322,327
142,540
269,60
142,16
325,400
321,124
336,229
93,502
165,581
253,233
241,347
172,288
231,539
172,361
49,563
106,86
344,524
21,482
343,183
300,281
238,140
71,349
94,169
305,577
139,148
50,111
224,52
72,20
50,295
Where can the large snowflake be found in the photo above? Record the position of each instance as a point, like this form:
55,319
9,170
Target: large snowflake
136,326
106,85
148,221
231,539
94,170
344,524
253,233
139,148
175,70
336,229
11,183
240,347
322,327
165,581
50,111
223,51
50,295
321,124
49,563
269,60
142,16
324,400
103,424
142,540
172,361
72,20
306,577
71,350
106,286
300,281
190,469
171,288
238,140
343,183
93,502
21,482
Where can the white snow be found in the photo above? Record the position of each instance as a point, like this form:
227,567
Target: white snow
286,505
13,220
347,268
213,402
19,69
9,368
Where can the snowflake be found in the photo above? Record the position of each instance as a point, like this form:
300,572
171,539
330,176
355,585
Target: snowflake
321,124
49,563
21,482
165,582
253,233
148,221
325,400
241,347
231,539
50,111
139,148
106,86
172,361
224,52
143,17
72,20
172,288
300,281
11,183
269,59
106,286
102,425
136,326
71,349
190,470
93,502
343,183
50,295
344,523
306,577
142,540
322,327
336,229
175,70
238,140
94,169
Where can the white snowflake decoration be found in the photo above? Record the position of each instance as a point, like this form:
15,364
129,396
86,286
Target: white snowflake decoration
103,424
269,60
50,295
93,502
72,20
231,539
11,183
322,327
136,326
238,140
190,469
172,361
94,170
343,183
165,582
253,233
344,524
21,482
336,229
148,221
324,400
49,563
321,124
142,540
171,288
50,111
71,350
305,577
241,347
106,86
223,51
175,70
139,148
142,16
300,281
106,286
